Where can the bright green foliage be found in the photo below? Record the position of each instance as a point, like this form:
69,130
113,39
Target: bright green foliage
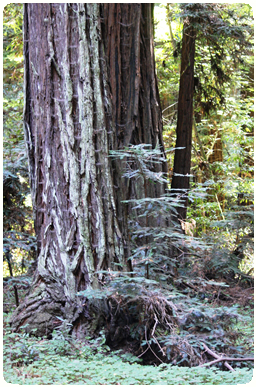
17,220
111,371
223,90
32,361
167,53
14,146
224,94
222,149
163,302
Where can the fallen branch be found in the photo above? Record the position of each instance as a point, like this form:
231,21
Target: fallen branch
225,359
217,357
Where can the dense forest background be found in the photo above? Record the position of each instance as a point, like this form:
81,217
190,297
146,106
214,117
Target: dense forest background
192,276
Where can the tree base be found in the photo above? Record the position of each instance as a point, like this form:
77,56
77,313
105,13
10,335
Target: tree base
40,314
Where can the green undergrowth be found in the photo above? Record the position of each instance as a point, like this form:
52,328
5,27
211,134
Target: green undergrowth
112,370
64,360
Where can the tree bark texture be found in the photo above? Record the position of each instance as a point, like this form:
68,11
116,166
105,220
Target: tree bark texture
73,115
67,118
182,158
128,35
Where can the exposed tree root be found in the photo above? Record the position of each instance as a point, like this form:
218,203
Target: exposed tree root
155,326
165,328
42,311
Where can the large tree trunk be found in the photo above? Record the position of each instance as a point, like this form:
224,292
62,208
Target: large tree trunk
71,120
182,158
67,127
128,34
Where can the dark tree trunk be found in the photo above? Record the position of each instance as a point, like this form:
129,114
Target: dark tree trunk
80,102
128,34
182,158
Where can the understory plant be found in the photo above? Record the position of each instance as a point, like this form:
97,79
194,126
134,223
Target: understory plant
36,361
161,308
164,249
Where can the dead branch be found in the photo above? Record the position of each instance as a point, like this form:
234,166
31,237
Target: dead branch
221,358
161,349
227,359
150,346
217,356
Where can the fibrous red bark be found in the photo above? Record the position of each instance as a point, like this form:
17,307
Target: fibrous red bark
68,130
128,36
80,102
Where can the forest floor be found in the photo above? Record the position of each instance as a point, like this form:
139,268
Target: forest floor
64,360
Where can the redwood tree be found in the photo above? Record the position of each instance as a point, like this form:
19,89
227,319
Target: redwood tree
207,25
90,86
182,158
136,112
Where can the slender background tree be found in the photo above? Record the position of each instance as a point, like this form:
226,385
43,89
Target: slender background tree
182,158
209,30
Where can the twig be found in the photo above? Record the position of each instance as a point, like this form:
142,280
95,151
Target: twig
217,357
225,359
161,349
189,285
156,321
150,347
143,352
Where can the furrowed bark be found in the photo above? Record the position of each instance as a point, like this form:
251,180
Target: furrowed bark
67,133
128,35
90,86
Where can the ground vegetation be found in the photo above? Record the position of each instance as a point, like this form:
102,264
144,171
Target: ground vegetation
176,301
